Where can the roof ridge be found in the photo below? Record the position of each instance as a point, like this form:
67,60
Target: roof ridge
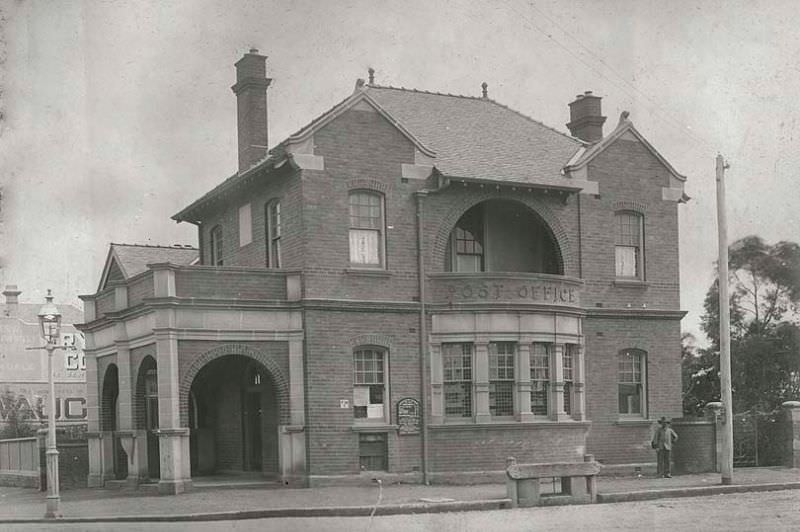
158,246
422,91
483,99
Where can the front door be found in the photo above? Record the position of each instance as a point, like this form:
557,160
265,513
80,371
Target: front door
253,430
151,423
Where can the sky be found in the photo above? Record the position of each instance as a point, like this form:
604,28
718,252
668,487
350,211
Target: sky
114,115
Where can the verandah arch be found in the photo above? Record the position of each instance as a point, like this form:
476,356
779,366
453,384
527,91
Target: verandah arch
278,377
446,222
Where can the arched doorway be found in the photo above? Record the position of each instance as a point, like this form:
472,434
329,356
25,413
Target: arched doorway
502,236
233,417
109,419
147,413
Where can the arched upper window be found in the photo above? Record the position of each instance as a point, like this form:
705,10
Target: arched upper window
628,245
502,236
367,233
273,230
215,249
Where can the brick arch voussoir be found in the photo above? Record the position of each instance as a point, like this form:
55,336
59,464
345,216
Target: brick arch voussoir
278,377
437,254
380,340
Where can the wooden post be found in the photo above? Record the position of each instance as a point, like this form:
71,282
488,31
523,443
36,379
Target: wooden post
726,468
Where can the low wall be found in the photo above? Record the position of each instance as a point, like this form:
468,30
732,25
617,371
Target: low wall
23,462
695,450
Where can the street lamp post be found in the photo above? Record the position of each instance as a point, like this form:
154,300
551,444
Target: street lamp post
50,322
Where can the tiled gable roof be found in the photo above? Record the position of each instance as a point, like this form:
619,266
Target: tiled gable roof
471,138
479,138
132,259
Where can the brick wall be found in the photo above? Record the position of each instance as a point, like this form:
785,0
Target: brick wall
613,440
283,185
630,178
140,288
485,448
695,450
332,442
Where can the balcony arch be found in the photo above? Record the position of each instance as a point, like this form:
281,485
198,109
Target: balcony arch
483,234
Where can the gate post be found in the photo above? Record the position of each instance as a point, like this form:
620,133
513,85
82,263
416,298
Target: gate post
714,410
792,426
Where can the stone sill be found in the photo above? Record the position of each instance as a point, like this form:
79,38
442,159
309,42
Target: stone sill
567,424
376,272
631,283
377,427
634,422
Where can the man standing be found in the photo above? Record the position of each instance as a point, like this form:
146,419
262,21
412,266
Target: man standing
662,443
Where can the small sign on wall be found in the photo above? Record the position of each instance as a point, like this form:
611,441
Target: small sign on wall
409,416
344,403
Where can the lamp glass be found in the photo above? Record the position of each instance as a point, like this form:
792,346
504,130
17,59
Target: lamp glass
50,320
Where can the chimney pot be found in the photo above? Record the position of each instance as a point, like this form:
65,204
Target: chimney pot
586,117
253,50
12,299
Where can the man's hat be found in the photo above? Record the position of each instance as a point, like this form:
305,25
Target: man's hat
663,421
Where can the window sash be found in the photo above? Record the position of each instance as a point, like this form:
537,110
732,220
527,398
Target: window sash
365,247
457,377
540,378
501,361
630,383
627,261
365,211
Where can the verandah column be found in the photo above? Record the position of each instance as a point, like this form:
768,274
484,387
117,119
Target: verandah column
558,383
173,439
579,371
523,371
96,440
482,414
132,442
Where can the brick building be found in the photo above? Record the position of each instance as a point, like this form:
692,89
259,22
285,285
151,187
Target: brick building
415,283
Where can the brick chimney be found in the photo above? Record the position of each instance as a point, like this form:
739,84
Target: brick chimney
12,299
586,118
251,103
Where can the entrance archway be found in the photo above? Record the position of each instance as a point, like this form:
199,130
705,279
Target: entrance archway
234,417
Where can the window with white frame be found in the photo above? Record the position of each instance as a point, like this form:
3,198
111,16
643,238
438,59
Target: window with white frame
369,383
568,359
501,378
540,378
457,373
367,247
245,225
628,245
631,379
215,249
272,215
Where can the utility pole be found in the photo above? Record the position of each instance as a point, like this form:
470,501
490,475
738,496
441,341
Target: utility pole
726,468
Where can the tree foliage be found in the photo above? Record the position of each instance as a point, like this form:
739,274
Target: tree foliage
764,287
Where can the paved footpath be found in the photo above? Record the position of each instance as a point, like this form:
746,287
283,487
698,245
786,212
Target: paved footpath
24,505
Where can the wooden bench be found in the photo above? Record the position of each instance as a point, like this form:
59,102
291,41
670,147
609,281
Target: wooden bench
578,482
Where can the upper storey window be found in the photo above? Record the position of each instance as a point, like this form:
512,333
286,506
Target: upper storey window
502,236
216,245
367,247
628,245
272,215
